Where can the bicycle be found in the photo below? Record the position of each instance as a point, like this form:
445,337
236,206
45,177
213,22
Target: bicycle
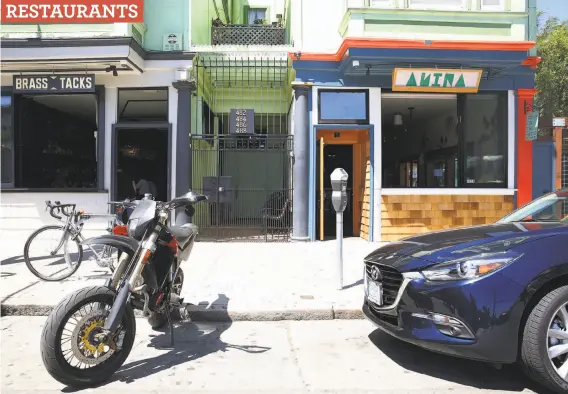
70,230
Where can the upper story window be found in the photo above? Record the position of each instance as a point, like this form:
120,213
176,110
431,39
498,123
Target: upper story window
492,5
437,4
343,106
256,16
382,3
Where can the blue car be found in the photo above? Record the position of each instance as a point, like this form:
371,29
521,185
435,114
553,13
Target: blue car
496,293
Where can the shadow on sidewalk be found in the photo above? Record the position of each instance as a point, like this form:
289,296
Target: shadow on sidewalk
192,341
461,371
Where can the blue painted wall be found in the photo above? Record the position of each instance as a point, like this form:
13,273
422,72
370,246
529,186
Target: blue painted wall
543,167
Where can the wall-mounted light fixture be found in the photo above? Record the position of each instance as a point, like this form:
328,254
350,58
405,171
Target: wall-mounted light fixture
182,74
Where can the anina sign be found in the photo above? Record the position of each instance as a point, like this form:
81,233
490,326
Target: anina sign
435,80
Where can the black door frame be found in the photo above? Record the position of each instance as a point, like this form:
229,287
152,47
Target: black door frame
138,125
351,148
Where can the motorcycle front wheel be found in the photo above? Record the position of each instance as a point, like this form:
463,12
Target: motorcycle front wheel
70,351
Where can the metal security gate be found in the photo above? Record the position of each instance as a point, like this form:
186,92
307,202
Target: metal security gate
564,175
241,148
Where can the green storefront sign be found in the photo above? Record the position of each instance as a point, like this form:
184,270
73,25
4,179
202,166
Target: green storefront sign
436,80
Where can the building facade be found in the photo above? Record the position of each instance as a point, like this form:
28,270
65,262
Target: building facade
425,104
196,97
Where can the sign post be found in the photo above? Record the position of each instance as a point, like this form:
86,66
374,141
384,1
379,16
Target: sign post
339,199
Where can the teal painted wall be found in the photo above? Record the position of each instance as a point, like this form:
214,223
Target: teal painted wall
163,17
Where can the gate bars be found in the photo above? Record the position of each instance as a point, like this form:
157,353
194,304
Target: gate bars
248,177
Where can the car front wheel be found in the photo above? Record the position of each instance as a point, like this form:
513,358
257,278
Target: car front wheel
544,350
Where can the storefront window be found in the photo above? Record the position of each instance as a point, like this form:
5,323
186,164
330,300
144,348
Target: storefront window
426,146
57,141
485,140
7,154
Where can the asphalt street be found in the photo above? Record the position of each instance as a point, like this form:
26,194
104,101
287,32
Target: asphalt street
339,356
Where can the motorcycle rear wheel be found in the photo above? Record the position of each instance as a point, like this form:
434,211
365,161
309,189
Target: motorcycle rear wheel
56,362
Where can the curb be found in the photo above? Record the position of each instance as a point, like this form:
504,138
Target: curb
195,313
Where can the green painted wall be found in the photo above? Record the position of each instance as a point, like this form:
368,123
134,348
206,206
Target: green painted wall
202,13
163,17
425,27
73,30
496,24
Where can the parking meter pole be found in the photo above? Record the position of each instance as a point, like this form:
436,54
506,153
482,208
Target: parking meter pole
339,200
339,220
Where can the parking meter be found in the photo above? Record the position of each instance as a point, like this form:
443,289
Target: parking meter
339,186
339,179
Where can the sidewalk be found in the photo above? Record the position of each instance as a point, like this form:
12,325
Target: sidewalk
260,281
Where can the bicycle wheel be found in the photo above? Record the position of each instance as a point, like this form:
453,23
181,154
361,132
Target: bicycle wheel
51,237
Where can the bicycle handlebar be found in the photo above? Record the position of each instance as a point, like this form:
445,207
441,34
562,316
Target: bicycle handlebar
60,208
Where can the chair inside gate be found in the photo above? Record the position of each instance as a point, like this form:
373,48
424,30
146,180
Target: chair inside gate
276,214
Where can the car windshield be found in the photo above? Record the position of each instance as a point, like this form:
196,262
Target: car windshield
552,207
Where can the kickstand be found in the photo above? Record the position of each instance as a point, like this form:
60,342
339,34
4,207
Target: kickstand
168,316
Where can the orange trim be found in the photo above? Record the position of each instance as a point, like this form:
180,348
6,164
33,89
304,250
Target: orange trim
526,93
558,158
413,44
524,149
531,61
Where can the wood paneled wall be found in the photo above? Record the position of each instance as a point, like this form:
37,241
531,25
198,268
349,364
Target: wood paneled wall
366,206
406,215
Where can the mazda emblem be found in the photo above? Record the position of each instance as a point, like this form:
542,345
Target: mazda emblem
376,274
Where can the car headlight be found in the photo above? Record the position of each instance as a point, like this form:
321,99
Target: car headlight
131,227
470,267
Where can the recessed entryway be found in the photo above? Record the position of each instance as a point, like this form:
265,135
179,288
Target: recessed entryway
348,149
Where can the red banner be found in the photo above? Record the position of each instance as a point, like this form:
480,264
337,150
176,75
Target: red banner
72,11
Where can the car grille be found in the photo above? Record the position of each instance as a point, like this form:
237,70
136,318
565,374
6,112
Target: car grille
391,281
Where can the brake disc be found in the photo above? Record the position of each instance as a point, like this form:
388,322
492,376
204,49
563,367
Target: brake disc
83,343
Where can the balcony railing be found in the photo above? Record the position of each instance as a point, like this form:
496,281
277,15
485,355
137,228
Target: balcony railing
248,35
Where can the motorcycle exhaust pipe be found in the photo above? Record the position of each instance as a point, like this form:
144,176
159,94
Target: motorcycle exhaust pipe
117,311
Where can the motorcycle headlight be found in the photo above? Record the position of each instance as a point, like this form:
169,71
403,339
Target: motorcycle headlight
470,267
131,227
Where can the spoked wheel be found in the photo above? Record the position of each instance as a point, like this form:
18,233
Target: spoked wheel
156,319
51,254
545,341
71,346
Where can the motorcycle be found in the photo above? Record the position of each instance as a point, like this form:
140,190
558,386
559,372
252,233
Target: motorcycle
148,277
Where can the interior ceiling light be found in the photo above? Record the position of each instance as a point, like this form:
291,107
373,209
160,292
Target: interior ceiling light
397,119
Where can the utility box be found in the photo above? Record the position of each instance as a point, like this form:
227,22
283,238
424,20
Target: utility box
339,179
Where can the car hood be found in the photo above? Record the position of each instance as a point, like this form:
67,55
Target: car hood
424,250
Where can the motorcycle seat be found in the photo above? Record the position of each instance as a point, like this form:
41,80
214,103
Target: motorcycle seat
184,234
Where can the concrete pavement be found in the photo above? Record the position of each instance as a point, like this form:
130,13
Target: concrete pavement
259,281
264,357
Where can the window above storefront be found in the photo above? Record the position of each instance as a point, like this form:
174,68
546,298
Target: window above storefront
343,106
439,5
